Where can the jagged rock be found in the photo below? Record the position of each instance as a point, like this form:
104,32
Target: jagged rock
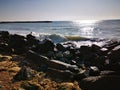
94,71
100,83
25,73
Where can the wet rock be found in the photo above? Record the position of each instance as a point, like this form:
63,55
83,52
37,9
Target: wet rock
25,73
111,44
100,83
94,71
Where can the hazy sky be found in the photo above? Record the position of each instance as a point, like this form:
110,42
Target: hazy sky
59,9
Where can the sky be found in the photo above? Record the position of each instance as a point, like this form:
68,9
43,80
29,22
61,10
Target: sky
54,10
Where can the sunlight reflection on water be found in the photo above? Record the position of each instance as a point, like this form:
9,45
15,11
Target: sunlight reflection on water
86,27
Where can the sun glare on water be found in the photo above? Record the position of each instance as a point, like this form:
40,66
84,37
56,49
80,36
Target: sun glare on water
86,22
86,27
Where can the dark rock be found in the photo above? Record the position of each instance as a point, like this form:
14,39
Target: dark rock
69,45
36,58
63,75
60,47
114,55
24,74
95,48
82,74
94,71
100,83
111,44
18,43
31,40
113,66
85,49
45,46
103,51
4,34
4,47
61,65
39,60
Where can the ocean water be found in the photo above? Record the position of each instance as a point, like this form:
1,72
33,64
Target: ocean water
58,30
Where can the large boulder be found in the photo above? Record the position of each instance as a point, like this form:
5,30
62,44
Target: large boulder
44,46
17,43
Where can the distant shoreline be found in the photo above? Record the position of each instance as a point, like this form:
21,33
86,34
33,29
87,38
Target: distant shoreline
26,22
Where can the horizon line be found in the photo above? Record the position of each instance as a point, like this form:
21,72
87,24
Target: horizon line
49,20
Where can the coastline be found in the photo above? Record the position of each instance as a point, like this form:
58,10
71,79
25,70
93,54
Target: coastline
31,64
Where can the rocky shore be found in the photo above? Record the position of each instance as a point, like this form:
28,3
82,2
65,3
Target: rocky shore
27,63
